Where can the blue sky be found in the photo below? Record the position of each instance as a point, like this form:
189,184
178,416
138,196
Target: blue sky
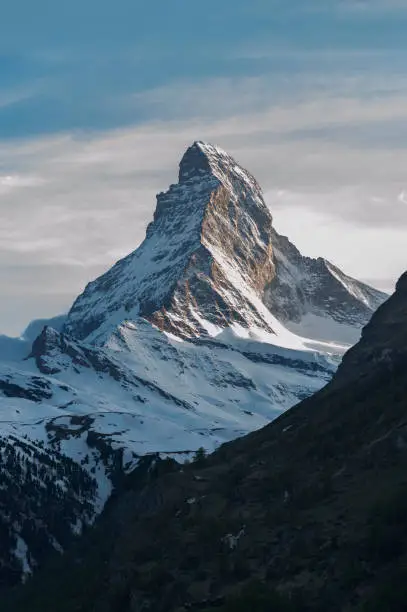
79,65
99,99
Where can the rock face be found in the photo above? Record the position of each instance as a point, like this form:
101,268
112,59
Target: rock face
303,285
211,258
207,256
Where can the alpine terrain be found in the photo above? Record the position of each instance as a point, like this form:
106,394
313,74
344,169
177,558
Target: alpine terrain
213,327
307,514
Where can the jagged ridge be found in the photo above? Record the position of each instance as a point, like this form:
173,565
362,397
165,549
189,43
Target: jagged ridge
206,252
211,258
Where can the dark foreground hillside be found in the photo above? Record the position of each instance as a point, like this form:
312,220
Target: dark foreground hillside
309,513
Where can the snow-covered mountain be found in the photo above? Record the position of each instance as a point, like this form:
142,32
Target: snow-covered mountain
211,259
211,328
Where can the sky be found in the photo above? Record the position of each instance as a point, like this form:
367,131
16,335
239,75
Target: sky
99,100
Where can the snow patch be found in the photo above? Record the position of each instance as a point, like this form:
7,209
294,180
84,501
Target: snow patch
21,552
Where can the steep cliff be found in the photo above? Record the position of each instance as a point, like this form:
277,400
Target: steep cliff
211,258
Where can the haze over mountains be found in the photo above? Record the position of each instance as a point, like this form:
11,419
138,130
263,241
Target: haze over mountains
210,329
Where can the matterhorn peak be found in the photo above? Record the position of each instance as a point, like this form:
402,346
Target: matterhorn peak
196,161
211,259
202,159
204,263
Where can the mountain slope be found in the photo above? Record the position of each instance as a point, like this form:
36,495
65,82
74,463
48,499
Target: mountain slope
146,392
194,339
306,290
308,513
32,478
383,342
186,342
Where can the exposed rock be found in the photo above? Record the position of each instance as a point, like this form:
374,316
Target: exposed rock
211,258
305,285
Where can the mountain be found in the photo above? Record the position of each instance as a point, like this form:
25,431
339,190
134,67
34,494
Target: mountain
307,514
209,330
306,293
16,349
211,259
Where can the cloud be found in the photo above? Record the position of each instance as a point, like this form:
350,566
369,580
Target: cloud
98,102
373,255
84,66
73,204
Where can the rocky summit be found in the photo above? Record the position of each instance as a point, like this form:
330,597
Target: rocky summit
211,258
211,329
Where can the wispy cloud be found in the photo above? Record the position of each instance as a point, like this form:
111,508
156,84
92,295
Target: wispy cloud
98,101
78,203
